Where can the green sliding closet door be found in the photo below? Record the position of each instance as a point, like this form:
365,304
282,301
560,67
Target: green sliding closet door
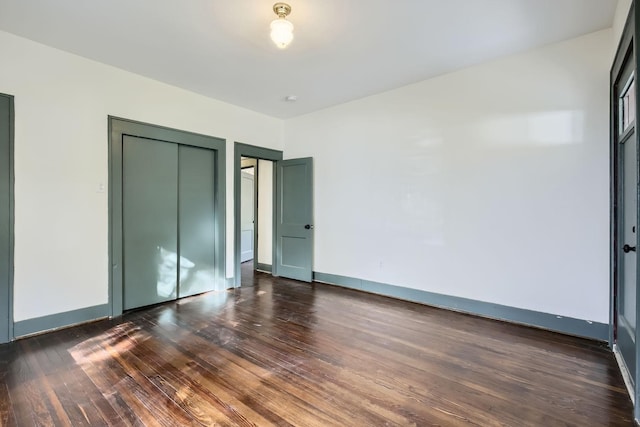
197,235
150,221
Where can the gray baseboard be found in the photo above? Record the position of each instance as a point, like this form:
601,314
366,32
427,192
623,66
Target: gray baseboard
59,320
566,325
263,267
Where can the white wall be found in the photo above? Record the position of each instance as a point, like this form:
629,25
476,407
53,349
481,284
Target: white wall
490,183
619,19
265,212
61,103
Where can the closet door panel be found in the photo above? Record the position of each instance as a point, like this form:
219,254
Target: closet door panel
197,210
150,221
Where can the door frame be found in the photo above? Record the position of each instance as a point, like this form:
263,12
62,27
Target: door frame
118,127
241,150
626,47
6,234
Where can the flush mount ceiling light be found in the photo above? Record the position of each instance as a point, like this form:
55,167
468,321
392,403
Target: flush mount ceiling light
281,29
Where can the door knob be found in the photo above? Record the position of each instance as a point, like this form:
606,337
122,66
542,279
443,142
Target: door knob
627,248
308,226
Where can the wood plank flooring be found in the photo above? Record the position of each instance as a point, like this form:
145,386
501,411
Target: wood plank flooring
294,354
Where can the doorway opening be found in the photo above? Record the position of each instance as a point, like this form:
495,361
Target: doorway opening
254,211
248,211
291,197
256,218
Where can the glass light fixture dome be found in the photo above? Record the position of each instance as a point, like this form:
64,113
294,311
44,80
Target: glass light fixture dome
281,29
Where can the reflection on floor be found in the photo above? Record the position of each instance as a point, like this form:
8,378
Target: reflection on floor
246,273
283,352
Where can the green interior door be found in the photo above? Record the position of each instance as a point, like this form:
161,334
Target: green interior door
6,104
150,221
627,256
294,219
197,210
627,220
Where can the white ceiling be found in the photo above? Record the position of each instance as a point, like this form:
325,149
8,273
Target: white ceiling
343,49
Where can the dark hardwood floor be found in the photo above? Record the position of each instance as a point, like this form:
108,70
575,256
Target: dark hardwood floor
288,353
